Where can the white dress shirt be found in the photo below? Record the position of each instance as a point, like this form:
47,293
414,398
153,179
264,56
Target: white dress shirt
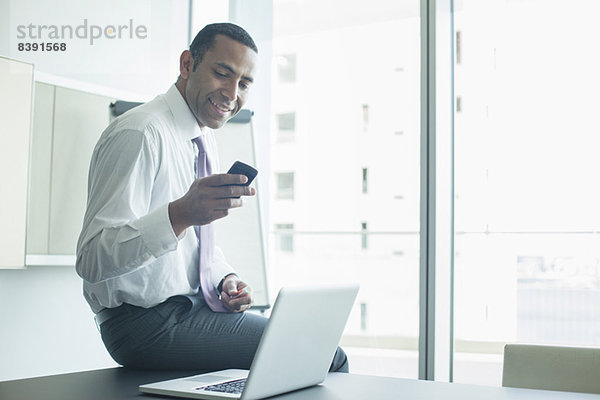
127,251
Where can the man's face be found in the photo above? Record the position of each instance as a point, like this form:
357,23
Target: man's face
219,87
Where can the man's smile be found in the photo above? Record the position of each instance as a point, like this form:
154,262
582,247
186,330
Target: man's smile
221,108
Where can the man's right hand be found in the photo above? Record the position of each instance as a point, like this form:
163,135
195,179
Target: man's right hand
208,199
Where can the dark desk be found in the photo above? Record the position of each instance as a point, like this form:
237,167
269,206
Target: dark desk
120,383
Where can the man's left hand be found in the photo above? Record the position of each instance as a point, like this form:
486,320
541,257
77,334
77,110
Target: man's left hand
234,302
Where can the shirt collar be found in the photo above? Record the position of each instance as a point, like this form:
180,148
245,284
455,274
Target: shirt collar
185,122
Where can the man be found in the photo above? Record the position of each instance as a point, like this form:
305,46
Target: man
146,241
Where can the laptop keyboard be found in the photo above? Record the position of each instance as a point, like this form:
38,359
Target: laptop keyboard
234,387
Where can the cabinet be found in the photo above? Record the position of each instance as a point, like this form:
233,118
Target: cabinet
16,80
66,126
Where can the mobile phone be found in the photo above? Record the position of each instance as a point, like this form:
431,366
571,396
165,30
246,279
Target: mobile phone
239,168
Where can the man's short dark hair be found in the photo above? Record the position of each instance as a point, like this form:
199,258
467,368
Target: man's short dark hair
205,39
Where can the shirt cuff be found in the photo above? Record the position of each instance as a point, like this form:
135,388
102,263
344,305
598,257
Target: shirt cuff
157,231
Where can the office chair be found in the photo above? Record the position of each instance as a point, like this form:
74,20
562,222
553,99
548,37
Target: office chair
572,369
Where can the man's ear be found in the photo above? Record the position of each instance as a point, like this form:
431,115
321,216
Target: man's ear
186,64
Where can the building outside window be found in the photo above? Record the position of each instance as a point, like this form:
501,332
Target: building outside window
524,207
527,259
349,86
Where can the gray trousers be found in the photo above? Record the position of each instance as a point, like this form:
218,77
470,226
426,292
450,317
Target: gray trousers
185,334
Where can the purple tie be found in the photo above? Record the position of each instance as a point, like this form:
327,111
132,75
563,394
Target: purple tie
206,236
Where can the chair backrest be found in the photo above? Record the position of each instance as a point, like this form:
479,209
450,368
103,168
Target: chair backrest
573,369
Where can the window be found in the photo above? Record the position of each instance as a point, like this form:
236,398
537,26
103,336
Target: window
363,235
286,126
286,68
527,256
363,316
365,181
285,185
286,237
365,117
523,208
345,79
286,122
458,47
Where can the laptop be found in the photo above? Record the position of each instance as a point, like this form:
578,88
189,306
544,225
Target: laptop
295,351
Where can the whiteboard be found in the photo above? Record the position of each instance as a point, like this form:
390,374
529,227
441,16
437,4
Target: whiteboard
241,235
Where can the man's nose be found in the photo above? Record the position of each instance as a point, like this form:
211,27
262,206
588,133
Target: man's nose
230,91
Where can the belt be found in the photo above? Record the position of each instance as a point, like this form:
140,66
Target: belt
106,314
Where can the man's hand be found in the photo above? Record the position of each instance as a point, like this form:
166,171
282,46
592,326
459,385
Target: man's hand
232,285
208,199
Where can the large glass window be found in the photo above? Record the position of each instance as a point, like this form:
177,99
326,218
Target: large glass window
527,249
350,70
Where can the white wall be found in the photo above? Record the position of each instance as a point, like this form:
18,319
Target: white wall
143,67
46,327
